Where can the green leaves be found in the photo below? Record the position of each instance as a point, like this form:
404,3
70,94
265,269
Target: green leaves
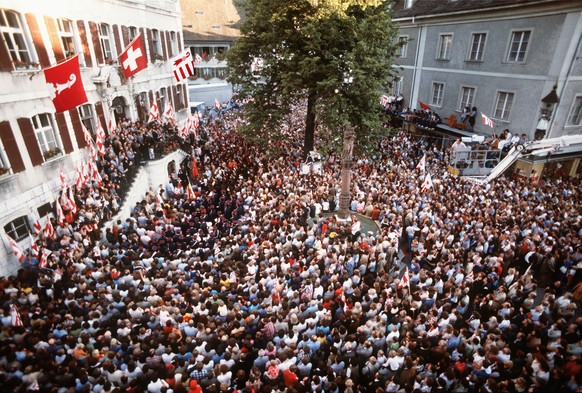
339,50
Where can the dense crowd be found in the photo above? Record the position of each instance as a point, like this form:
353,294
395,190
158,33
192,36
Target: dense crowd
233,276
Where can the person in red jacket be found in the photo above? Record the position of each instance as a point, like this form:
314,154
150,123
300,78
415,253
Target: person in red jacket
290,376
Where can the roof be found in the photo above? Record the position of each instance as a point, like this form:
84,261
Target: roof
440,7
210,20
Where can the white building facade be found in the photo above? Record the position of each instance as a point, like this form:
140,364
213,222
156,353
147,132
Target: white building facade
35,142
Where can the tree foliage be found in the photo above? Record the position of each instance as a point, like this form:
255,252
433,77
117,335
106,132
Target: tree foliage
336,54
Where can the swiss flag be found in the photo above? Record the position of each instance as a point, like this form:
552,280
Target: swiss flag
65,85
133,59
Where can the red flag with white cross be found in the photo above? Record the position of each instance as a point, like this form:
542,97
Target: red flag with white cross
133,58
65,85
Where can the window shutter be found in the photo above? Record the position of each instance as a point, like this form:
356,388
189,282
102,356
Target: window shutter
151,97
151,46
30,141
11,147
163,42
37,39
169,44
179,38
125,35
117,39
185,95
55,39
175,98
93,28
76,120
84,43
64,131
101,115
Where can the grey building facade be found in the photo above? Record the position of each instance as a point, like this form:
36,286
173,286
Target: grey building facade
501,56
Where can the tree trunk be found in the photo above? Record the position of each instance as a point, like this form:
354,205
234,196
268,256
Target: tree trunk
308,142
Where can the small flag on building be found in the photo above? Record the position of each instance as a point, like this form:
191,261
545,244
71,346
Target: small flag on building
182,65
487,121
154,113
133,58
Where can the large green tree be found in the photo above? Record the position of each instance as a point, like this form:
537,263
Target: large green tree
336,54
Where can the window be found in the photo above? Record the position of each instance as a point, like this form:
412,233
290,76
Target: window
397,86
575,116
403,48
86,115
132,31
179,99
503,105
43,128
162,98
174,42
467,97
445,43
438,90
65,31
408,3
518,46
477,46
105,38
14,37
156,43
17,229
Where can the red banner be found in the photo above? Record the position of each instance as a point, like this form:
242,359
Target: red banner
65,85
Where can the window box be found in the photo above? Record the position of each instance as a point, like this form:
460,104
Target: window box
4,170
159,58
52,153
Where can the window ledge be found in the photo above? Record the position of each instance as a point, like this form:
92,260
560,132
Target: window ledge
53,159
7,177
572,125
25,71
500,120
437,59
474,61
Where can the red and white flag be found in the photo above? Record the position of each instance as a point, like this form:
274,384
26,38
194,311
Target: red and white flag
81,179
423,106
60,213
384,100
72,204
197,59
15,319
63,180
217,104
133,58
182,65
183,131
92,151
44,257
33,247
195,122
169,115
194,171
191,194
422,164
487,121
16,250
405,280
49,230
86,134
65,85
427,183
154,113
112,124
37,226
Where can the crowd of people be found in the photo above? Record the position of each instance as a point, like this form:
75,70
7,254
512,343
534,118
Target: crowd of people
234,276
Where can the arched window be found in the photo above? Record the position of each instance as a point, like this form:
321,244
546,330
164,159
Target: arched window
45,134
105,38
14,36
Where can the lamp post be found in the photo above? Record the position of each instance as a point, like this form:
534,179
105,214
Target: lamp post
544,124
346,175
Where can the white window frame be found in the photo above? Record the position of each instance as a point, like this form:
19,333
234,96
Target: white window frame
443,51
106,42
506,105
132,32
174,42
67,38
403,49
480,46
439,99
179,99
512,34
575,114
156,48
86,115
18,43
462,102
4,162
44,130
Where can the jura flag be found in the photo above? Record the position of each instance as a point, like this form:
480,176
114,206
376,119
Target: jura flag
133,59
427,183
154,113
487,121
169,115
422,164
65,85
16,250
183,65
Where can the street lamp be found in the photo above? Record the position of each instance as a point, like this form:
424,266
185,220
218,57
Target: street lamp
550,101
